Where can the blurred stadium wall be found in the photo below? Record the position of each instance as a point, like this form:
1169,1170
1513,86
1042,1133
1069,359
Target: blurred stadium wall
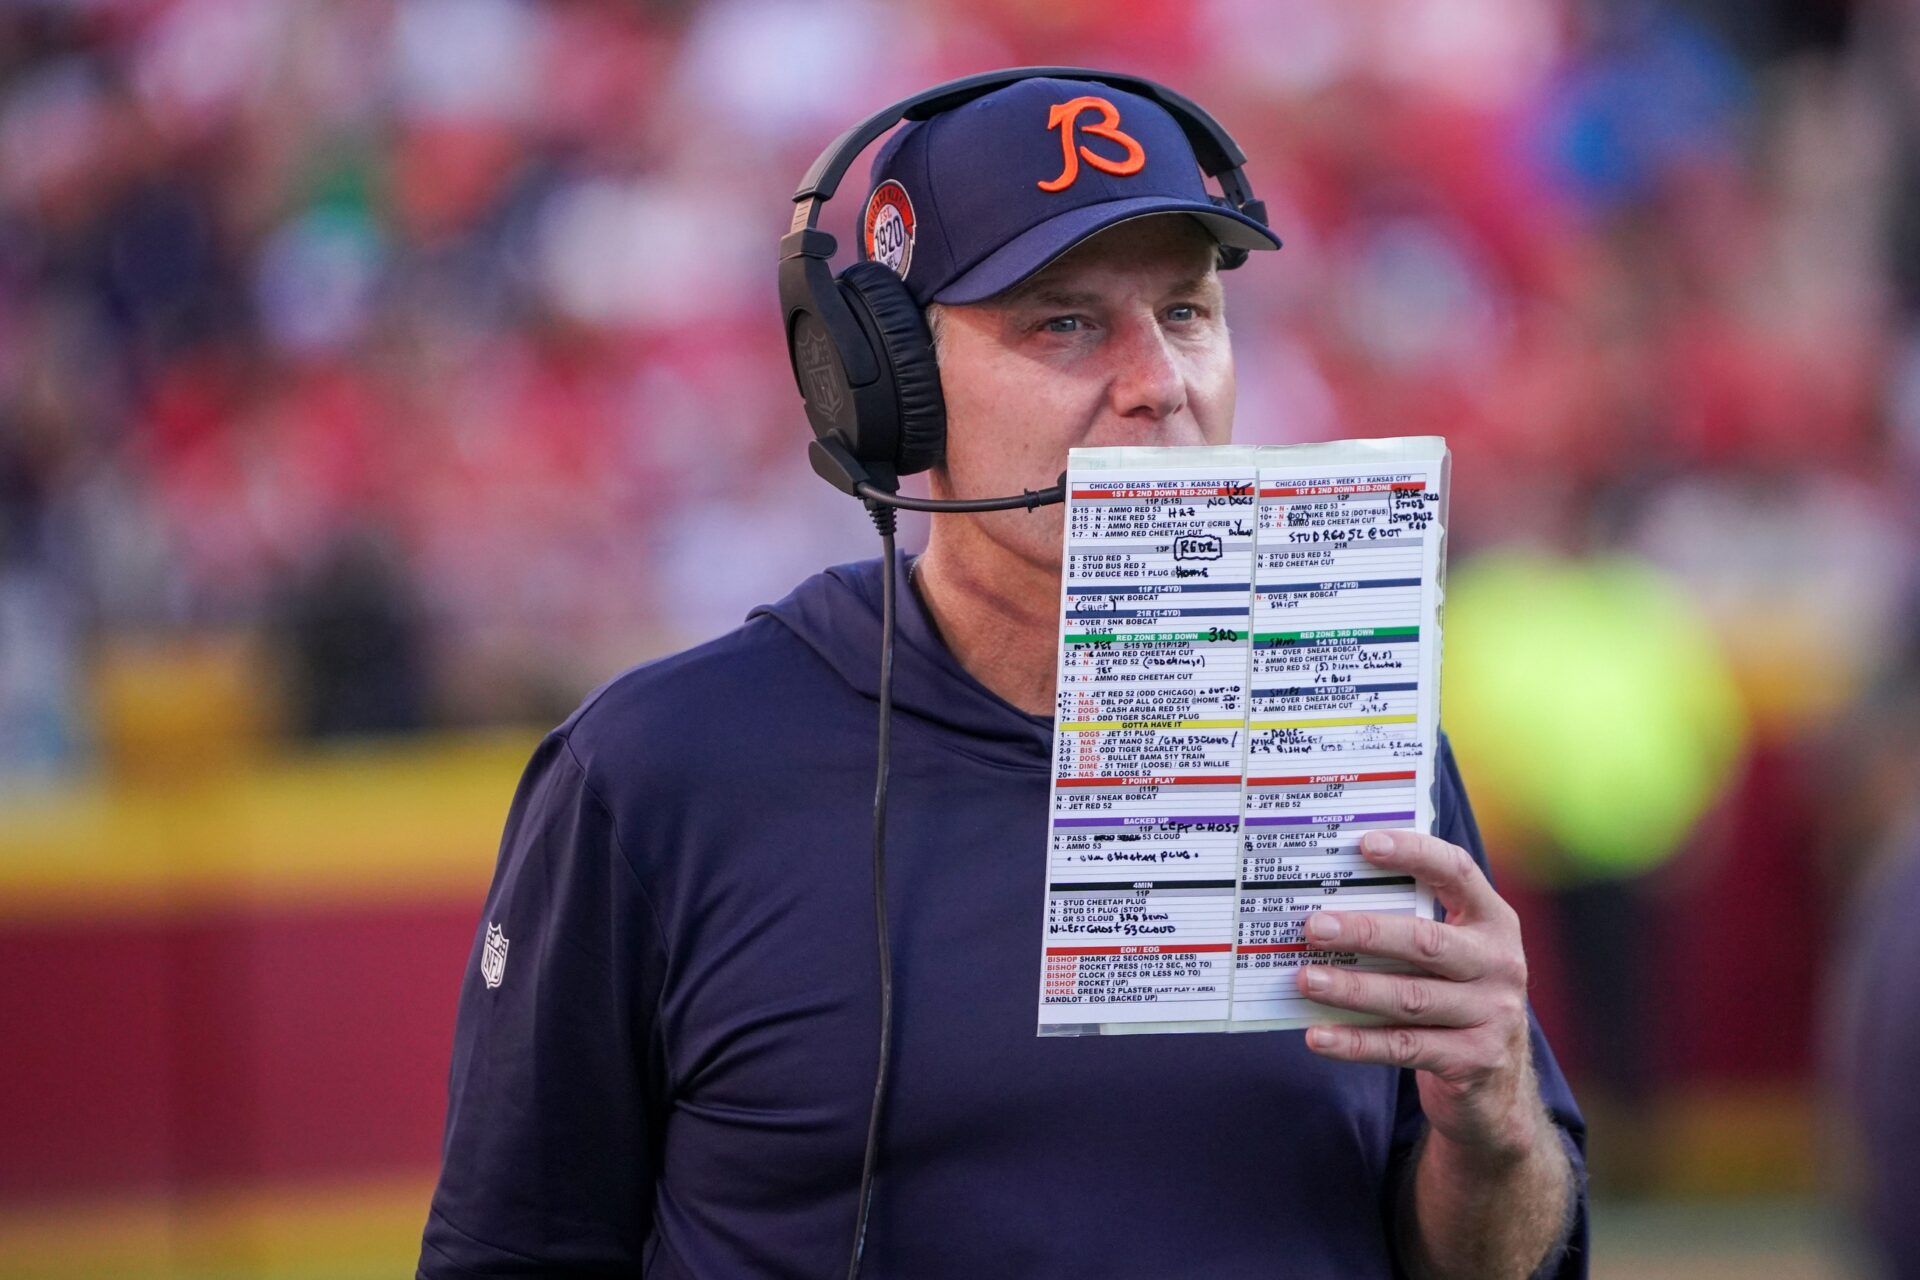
377,376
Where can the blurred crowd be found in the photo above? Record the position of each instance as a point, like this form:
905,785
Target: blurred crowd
419,359
429,344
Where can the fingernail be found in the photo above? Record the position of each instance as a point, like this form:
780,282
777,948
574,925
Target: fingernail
1376,842
1316,980
1320,1037
1324,927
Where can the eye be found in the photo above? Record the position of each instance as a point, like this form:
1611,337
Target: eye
1182,312
1063,324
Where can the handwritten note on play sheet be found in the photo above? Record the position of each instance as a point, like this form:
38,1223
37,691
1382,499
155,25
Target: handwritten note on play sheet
1249,681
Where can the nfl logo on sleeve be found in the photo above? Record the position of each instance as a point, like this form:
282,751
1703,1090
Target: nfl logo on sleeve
493,956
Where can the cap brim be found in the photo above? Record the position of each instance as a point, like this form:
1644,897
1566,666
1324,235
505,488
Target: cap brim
1034,248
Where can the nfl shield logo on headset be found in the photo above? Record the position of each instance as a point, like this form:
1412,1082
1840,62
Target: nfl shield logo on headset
493,956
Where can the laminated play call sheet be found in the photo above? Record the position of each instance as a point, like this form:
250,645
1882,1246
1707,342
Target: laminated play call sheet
1249,681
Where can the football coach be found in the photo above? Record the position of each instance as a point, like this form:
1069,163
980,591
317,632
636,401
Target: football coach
665,1061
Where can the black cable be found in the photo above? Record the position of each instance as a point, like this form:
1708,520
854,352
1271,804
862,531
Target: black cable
884,521
1029,499
881,506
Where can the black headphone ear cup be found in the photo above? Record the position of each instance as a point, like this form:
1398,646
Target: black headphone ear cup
921,438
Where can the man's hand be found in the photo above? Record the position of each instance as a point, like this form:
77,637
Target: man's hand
1492,1182
1463,1021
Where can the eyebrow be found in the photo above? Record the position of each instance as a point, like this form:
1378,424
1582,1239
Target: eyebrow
1054,296
1196,283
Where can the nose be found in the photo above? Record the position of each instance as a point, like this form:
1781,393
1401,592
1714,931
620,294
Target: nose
1147,385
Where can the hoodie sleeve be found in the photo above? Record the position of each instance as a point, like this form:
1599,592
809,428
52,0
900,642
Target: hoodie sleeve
554,1098
1454,822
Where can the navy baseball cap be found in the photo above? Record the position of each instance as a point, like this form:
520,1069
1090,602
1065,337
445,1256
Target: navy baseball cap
974,200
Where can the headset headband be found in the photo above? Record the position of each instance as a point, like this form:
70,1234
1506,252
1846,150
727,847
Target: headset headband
1220,157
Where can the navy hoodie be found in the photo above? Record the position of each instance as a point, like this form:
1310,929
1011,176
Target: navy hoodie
668,1071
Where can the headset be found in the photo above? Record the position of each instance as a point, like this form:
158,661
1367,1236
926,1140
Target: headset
863,359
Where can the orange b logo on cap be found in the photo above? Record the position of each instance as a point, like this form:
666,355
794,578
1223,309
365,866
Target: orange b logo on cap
1065,117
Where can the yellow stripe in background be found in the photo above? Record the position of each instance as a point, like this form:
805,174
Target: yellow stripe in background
333,1231
371,821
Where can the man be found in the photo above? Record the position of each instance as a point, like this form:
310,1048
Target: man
1878,993
667,1035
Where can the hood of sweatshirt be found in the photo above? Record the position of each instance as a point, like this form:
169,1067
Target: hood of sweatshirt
837,614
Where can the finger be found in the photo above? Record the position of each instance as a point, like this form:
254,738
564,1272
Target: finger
1445,949
1425,1049
1423,1002
1456,879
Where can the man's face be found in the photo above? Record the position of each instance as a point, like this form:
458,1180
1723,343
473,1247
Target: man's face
1123,340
